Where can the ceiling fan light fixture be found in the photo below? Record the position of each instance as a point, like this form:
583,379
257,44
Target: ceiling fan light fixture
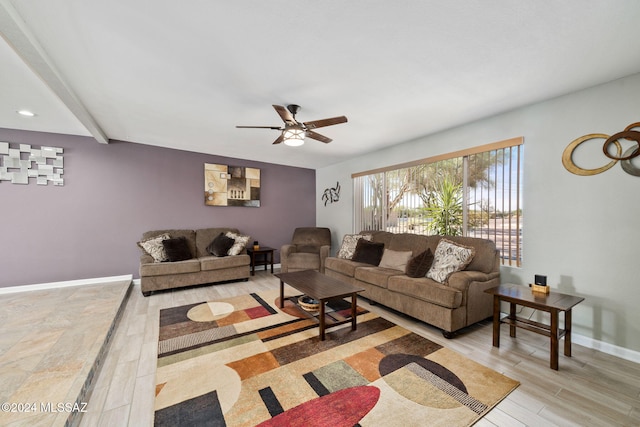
294,136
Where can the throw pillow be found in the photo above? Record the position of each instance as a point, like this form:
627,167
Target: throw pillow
449,258
368,252
349,242
177,249
420,264
240,242
153,246
396,260
220,245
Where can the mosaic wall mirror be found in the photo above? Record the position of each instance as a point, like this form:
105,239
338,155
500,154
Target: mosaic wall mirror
19,162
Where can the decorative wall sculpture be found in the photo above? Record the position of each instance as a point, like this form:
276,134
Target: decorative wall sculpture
18,164
331,194
624,158
231,185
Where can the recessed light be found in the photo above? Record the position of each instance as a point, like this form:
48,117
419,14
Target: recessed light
26,113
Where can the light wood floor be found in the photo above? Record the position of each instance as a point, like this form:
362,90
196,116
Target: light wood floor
590,389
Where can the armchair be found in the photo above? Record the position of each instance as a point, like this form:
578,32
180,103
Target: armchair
308,249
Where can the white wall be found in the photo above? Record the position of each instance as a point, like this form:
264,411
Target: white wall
583,232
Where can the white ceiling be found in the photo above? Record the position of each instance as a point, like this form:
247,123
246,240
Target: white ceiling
182,74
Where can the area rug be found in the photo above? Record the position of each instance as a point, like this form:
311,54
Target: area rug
243,361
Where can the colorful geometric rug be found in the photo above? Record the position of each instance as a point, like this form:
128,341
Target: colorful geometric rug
243,361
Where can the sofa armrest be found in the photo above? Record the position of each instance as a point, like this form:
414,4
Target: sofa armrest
462,279
325,251
285,251
146,259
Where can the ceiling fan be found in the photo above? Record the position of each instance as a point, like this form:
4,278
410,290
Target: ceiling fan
293,131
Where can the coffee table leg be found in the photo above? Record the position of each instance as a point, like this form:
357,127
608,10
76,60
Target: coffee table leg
554,339
281,294
567,334
354,301
496,321
321,320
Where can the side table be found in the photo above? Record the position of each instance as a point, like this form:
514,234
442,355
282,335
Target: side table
265,257
553,303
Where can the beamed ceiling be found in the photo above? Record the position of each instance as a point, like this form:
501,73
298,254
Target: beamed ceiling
184,74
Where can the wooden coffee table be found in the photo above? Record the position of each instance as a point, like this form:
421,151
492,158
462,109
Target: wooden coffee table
553,303
321,288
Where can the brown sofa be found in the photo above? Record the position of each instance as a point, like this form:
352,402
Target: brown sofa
459,302
201,268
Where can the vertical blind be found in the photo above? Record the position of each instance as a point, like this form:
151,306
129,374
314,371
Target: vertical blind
475,192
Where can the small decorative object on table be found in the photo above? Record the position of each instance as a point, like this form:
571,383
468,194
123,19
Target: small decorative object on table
540,284
308,303
543,289
256,245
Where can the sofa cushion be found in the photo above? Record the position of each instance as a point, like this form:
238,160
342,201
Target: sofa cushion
220,245
168,268
396,260
343,266
416,243
426,290
420,264
377,276
154,247
216,263
177,249
349,242
368,252
303,261
448,258
204,237
240,242
485,257
311,239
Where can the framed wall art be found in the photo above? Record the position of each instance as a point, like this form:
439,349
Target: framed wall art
226,185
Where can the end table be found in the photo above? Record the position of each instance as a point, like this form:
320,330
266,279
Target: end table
552,303
265,254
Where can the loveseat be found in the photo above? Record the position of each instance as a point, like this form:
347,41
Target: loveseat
194,263
455,303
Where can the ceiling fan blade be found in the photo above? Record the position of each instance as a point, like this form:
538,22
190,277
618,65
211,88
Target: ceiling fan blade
260,127
285,115
314,135
279,139
315,124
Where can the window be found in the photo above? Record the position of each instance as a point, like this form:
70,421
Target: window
474,193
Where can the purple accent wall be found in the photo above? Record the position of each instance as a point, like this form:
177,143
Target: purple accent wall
113,193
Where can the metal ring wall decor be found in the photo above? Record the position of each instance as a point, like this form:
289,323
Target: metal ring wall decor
624,158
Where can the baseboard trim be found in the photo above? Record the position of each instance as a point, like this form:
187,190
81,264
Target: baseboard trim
64,284
612,349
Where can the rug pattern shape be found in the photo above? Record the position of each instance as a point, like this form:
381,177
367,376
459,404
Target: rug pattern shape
243,361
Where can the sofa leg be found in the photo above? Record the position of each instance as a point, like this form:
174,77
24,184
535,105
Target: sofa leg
448,335
146,294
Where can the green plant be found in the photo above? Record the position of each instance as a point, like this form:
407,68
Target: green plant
445,207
